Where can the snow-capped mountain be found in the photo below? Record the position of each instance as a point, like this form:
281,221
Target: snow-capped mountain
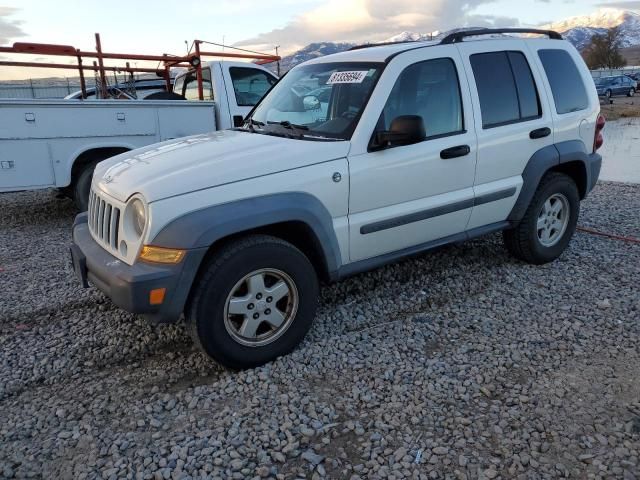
411,37
313,50
579,30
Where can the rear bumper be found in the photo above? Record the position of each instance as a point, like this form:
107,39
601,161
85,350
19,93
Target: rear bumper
594,164
129,286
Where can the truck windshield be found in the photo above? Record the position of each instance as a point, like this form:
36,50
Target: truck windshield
322,100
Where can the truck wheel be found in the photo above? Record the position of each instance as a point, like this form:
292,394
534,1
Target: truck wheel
254,301
549,222
82,186
164,96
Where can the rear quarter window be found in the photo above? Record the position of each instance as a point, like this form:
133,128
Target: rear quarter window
567,86
506,88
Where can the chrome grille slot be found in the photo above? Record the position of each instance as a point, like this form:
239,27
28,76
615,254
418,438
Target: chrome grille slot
104,221
113,231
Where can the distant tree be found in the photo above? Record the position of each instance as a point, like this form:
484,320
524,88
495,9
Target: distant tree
604,50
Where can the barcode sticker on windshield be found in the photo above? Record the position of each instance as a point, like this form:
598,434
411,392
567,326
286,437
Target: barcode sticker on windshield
347,77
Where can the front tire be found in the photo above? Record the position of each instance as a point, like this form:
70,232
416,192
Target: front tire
549,222
82,186
254,301
632,92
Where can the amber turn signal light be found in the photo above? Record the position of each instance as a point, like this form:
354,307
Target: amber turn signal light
153,254
156,296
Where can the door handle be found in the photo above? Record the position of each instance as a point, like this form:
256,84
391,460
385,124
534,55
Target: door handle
455,152
540,133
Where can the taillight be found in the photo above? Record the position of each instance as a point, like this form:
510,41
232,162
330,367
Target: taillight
598,139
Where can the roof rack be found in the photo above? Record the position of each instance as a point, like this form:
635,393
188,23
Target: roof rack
458,36
370,45
192,61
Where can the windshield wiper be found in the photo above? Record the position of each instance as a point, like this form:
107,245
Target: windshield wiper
251,123
288,124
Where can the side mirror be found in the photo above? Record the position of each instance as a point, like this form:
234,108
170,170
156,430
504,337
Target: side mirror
311,102
404,130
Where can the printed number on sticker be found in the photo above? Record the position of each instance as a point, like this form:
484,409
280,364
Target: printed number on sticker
347,77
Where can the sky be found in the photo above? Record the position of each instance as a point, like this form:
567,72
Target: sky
155,26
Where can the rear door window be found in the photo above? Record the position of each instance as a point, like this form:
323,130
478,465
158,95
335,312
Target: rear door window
506,88
569,93
250,85
190,87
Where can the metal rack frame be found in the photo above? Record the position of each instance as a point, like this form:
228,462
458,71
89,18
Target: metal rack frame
193,61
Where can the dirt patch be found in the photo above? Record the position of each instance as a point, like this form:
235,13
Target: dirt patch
622,107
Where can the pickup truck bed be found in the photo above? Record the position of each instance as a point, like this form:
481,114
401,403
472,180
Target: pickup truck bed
41,140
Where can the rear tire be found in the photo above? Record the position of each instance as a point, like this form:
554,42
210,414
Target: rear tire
82,186
164,96
254,301
549,222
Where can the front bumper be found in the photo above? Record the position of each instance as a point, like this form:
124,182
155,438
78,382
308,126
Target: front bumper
129,286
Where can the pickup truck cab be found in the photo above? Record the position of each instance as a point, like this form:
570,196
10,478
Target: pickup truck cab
57,143
412,146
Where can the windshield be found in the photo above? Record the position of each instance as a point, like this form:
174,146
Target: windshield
323,100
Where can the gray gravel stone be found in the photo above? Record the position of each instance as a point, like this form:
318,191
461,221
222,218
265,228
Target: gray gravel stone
485,365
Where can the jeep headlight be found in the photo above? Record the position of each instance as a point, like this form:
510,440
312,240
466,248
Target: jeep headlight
139,216
135,218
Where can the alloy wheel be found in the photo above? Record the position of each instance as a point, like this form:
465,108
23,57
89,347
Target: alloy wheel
260,307
553,219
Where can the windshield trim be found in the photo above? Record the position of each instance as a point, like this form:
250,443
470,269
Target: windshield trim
347,137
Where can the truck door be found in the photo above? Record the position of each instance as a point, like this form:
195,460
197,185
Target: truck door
512,122
245,88
410,195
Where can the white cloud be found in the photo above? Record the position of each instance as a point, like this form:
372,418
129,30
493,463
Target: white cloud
9,29
372,20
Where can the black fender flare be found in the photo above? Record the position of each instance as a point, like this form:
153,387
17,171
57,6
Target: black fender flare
202,228
548,158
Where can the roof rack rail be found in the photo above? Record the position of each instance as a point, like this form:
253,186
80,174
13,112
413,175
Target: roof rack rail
458,36
370,45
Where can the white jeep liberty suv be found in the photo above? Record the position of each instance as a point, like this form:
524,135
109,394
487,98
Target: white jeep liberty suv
351,161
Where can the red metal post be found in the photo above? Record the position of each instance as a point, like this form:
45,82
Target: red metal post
199,71
167,78
103,79
83,85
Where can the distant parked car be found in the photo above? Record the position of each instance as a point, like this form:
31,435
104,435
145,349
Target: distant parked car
615,86
634,76
142,87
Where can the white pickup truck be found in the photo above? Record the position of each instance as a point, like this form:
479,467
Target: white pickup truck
57,143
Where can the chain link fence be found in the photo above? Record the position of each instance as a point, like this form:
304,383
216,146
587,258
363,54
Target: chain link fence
36,90
614,72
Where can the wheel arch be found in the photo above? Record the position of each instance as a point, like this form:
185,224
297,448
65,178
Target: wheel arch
296,217
91,154
570,157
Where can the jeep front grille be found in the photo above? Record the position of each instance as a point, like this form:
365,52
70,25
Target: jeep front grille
104,221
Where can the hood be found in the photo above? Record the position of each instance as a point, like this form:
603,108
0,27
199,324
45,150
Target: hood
202,161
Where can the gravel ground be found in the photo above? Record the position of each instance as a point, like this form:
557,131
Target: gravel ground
463,363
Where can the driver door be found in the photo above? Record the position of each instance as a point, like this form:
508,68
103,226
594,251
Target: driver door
407,196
